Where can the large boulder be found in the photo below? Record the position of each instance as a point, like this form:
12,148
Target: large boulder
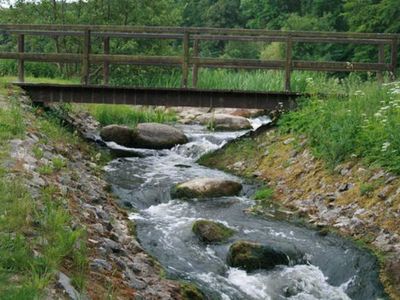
211,232
253,256
145,135
122,135
224,122
206,188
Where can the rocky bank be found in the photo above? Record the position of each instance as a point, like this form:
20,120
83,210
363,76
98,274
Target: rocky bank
118,267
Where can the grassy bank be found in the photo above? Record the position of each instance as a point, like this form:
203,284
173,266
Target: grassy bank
363,125
36,235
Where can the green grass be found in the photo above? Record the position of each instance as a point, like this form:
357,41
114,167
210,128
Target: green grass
129,115
259,80
263,194
365,124
11,122
58,163
45,169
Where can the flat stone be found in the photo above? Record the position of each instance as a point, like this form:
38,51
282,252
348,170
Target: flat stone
206,188
384,193
64,282
111,245
224,122
344,187
288,141
98,228
100,264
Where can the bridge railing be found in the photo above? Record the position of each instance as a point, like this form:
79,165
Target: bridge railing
191,38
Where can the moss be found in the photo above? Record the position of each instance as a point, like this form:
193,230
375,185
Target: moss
189,291
252,256
179,192
212,232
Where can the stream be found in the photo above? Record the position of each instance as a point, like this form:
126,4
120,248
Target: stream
337,269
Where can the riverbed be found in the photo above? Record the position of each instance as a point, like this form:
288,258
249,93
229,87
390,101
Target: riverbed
333,268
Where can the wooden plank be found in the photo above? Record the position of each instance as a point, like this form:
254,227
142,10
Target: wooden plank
381,60
237,63
136,60
21,49
195,71
248,38
159,36
43,57
86,58
342,40
300,39
106,66
288,63
195,30
331,66
159,96
209,37
51,33
185,62
393,59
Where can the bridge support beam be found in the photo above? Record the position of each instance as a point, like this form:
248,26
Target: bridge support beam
159,96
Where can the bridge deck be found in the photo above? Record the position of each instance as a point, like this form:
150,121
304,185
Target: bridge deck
159,96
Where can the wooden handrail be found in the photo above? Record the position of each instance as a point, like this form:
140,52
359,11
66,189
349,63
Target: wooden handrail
188,59
192,30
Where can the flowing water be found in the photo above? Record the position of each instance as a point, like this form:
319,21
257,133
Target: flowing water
335,268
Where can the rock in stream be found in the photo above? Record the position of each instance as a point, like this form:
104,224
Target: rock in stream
206,188
144,135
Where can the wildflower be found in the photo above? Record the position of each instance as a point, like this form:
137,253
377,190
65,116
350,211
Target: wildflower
359,93
385,146
378,115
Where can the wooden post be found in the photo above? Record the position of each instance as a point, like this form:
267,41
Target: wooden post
381,60
21,50
106,66
288,63
195,72
185,62
85,58
393,60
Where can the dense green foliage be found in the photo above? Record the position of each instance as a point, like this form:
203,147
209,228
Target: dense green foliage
335,15
364,124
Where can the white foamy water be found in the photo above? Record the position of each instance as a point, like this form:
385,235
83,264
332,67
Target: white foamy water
300,282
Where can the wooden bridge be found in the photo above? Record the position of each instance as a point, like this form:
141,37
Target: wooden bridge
190,40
